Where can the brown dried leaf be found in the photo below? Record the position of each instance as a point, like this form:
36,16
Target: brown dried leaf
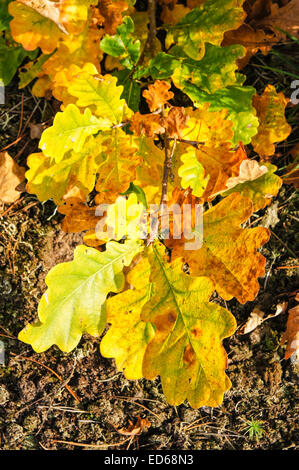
176,122
146,124
291,335
11,175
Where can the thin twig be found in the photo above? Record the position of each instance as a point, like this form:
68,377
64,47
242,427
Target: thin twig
69,389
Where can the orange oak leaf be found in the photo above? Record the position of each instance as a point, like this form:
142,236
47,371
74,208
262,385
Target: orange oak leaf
33,30
291,335
273,127
157,95
11,175
220,164
224,242
252,40
175,122
146,124
79,217
111,12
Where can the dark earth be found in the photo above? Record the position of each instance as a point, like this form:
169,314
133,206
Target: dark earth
91,405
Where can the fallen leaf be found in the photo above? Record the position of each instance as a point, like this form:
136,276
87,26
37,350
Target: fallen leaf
142,424
257,317
284,18
291,335
11,175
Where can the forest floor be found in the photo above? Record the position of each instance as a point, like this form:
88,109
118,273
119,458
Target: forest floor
91,403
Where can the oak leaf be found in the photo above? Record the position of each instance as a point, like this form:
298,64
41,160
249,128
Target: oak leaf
224,241
291,335
118,170
101,95
68,309
33,30
258,182
252,40
11,175
111,12
146,124
48,179
273,127
70,131
123,313
175,122
284,18
188,327
206,24
157,95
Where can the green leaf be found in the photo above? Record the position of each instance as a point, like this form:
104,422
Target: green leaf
77,290
207,23
131,91
11,57
237,100
4,15
192,173
141,196
69,132
32,70
122,45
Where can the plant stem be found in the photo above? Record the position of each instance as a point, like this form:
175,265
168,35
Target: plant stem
152,24
167,166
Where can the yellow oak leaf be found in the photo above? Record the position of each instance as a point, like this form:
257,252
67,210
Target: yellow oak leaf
150,173
11,175
33,30
46,8
273,127
102,95
208,127
224,242
48,179
70,131
119,167
188,327
157,95
123,313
